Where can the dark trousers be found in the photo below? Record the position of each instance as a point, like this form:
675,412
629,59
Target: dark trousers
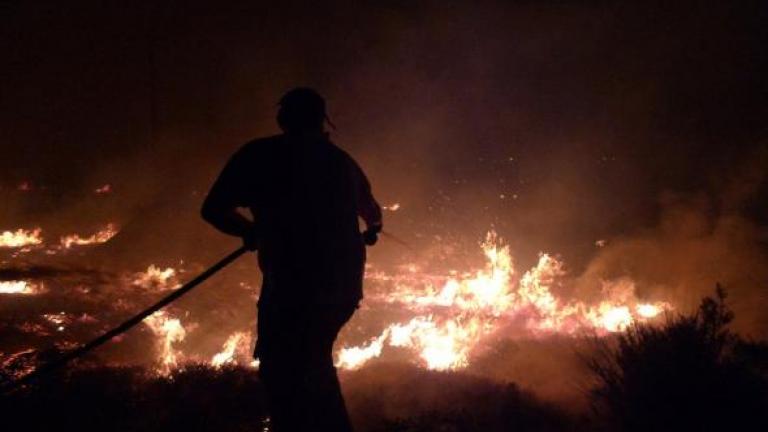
295,349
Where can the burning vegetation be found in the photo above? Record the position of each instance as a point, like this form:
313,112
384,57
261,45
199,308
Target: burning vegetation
457,313
445,320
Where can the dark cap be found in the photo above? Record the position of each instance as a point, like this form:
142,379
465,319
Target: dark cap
301,108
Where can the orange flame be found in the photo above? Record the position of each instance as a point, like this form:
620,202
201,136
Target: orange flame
236,346
21,238
156,278
19,287
169,331
102,236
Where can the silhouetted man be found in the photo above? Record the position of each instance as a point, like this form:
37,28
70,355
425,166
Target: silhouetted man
305,196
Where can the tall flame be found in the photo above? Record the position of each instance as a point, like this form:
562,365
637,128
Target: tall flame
169,331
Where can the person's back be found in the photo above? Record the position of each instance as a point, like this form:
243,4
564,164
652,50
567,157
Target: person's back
305,195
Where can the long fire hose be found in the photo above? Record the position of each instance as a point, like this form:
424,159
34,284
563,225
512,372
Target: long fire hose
122,328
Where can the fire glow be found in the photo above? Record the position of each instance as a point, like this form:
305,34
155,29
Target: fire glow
454,319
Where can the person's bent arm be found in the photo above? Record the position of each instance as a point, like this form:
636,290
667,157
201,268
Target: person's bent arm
226,219
220,207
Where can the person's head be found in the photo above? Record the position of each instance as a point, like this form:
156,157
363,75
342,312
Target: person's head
301,110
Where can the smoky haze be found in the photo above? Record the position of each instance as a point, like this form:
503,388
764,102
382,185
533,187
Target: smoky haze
558,124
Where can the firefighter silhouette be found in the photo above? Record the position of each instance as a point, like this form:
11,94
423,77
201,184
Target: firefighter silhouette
305,196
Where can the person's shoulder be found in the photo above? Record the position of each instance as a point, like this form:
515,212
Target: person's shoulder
263,143
260,146
347,161
340,152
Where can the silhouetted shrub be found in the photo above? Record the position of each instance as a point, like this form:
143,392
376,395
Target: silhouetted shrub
690,374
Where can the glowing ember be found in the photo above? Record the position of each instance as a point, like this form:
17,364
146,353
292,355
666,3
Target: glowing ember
102,236
107,188
454,320
60,320
237,345
21,238
156,278
393,207
19,287
168,331
18,364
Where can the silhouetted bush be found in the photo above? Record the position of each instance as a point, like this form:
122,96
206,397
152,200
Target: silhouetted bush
690,374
